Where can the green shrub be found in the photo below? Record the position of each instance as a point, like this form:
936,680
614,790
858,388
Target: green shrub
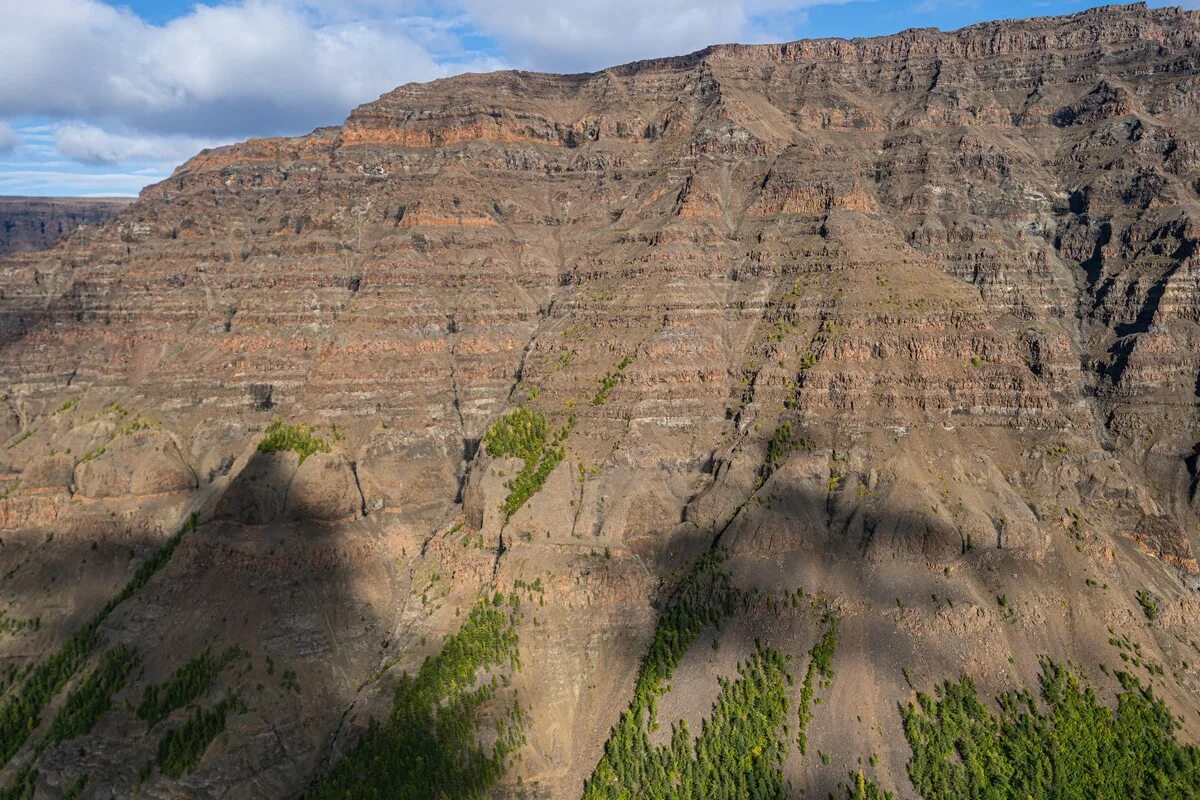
737,755
782,442
610,381
820,664
865,788
428,748
20,713
18,625
521,433
1148,603
92,455
300,439
525,434
21,709
182,748
188,683
87,704
738,752
24,435
22,787
704,596
1069,748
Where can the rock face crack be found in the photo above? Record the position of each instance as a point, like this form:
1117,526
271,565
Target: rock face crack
467,455
358,485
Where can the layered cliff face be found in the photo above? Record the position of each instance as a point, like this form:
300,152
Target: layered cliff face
911,324
35,223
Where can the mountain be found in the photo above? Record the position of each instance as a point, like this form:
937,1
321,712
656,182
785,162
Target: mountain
34,223
819,395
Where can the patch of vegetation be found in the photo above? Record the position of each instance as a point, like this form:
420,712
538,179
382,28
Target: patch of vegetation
737,755
782,442
864,788
188,683
14,625
85,706
1006,611
21,710
300,439
836,476
76,788
67,406
520,433
183,747
24,435
704,596
112,408
820,666
8,673
93,454
1131,653
565,359
738,751
1074,524
428,748
22,786
1148,603
525,434
532,590
782,329
1069,748
138,424
610,381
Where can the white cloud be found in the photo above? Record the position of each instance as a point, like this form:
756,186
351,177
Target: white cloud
8,138
89,83
578,36
261,66
285,66
91,145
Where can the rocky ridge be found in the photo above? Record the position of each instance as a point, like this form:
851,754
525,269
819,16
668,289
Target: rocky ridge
35,223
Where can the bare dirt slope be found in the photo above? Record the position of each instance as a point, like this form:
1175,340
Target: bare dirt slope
911,323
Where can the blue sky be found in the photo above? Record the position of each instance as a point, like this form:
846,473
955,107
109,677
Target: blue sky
103,98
